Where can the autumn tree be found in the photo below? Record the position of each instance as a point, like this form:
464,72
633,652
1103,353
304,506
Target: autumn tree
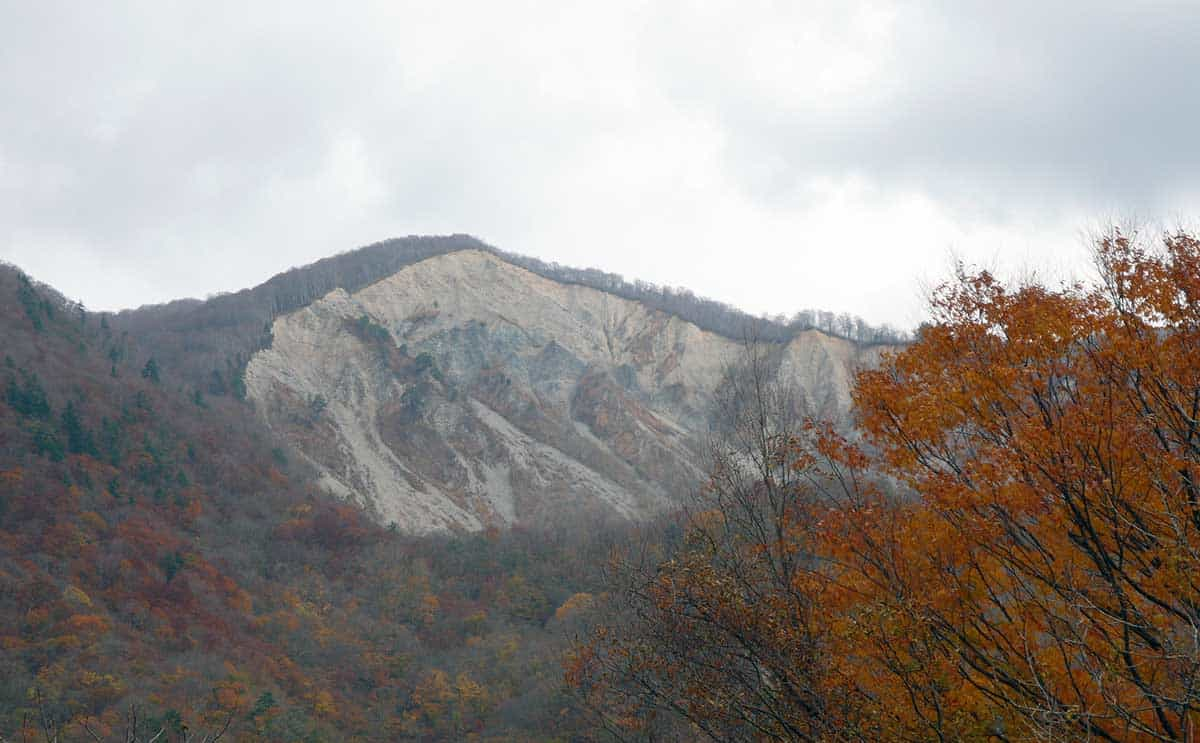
1053,437
1007,549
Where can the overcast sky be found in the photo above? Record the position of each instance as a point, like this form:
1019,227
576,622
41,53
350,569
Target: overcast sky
774,155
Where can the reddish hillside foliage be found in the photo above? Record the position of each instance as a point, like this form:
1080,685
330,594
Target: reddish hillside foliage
164,566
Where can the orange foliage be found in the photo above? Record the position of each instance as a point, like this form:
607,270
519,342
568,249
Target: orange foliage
323,705
575,603
1052,438
1015,554
88,624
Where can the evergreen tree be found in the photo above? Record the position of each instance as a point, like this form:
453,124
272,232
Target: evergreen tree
216,384
29,398
79,438
150,370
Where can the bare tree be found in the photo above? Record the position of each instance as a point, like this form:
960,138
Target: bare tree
721,637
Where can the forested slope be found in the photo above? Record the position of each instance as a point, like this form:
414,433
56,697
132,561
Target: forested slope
159,554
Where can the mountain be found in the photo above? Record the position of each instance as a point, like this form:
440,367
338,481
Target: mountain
175,541
169,571
463,392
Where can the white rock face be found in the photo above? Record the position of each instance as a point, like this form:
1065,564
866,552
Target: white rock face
464,392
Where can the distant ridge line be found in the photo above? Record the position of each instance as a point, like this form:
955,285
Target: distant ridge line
355,269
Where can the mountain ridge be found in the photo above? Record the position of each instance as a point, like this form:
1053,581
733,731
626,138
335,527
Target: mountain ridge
200,337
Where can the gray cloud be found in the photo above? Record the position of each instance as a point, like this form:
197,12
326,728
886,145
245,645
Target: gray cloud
1087,102
772,155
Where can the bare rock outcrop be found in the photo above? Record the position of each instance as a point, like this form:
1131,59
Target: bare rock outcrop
464,392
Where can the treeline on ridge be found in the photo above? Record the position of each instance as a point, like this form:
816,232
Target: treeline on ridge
200,338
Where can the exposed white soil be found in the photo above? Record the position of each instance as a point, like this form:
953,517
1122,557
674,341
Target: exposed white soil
497,441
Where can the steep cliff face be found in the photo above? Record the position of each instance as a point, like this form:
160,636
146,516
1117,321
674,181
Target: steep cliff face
464,392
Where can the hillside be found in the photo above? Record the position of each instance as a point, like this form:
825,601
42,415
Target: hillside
161,554
464,392
176,539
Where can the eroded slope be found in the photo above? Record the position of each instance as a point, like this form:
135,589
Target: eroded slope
464,392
